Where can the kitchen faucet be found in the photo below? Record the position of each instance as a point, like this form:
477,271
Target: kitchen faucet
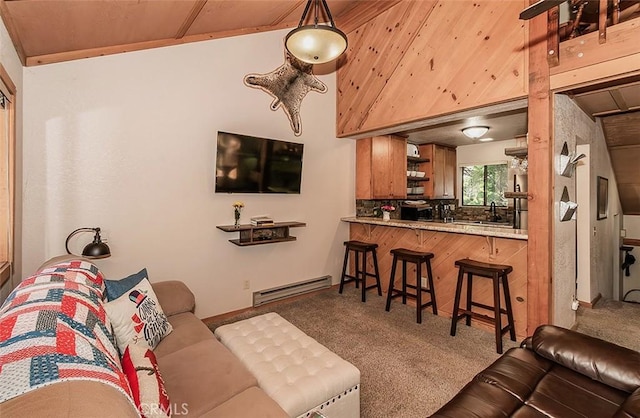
494,214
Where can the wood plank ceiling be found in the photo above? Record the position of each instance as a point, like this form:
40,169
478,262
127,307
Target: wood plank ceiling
51,31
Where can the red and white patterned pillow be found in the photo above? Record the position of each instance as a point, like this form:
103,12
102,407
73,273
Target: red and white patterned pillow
147,387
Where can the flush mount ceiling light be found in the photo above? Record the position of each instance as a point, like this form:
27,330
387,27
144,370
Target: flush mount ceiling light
316,44
475,132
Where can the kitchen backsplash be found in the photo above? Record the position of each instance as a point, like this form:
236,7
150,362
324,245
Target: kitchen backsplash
368,208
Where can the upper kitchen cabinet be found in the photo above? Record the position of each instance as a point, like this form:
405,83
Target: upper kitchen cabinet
399,66
441,170
381,167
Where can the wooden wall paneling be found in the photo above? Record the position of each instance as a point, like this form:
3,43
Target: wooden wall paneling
488,66
374,51
448,248
360,13
540,229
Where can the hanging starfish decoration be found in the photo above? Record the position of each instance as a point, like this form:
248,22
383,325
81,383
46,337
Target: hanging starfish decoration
288,85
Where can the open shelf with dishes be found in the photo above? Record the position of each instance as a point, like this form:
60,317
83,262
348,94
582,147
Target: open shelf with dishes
416,175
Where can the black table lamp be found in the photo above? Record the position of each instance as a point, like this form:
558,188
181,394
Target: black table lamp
95,249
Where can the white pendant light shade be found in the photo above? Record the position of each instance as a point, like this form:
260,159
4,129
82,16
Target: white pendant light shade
316,44
475,132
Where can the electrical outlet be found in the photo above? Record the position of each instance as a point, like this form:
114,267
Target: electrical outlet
575,304
623,233
246,285
425,282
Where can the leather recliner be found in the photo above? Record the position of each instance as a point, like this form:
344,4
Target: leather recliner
554,373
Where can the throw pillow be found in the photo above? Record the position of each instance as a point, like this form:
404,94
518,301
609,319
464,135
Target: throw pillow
147,387
117,288
137,317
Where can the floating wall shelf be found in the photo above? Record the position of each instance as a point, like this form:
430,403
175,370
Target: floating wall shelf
266,234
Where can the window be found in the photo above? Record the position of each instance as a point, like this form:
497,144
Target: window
483,184
7,167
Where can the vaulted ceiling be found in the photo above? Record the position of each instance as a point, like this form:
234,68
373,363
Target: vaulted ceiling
51,31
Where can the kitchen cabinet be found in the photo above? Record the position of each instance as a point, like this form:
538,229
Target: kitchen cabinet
381,167
441,169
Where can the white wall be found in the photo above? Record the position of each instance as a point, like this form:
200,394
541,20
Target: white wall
13,66
127,142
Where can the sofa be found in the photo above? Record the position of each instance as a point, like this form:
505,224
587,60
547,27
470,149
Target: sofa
201,377
554,373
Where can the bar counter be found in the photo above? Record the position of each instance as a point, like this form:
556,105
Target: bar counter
450,242
453,227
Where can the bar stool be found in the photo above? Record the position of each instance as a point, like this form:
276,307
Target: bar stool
361,273
497,273
417,258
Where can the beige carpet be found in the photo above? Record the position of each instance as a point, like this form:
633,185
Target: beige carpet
618,322
410,370
407,370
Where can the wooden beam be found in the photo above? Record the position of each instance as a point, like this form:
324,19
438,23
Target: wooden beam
601,72
540,248
138,46
195,11
586,49
553,37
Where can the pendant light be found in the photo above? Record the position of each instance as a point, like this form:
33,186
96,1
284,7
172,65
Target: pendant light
316,44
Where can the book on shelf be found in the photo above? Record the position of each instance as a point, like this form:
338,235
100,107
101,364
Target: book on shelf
261,221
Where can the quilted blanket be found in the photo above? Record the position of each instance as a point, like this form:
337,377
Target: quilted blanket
53,328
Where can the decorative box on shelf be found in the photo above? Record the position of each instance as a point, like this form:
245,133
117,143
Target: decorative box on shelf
264,234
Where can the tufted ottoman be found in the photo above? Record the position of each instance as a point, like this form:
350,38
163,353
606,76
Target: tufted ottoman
296,371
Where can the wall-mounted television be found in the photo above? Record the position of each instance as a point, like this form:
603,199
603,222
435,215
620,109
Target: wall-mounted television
248,164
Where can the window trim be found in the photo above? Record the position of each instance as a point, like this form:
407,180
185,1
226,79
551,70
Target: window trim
9,90
483,164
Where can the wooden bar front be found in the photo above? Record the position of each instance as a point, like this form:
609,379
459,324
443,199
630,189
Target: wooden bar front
447,248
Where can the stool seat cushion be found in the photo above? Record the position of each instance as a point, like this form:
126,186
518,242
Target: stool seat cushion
405,253
480,267
292,368
360,245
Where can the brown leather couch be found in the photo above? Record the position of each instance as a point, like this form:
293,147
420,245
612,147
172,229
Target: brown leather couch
555,373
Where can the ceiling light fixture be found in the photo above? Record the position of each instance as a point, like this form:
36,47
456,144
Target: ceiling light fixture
475,132
316,44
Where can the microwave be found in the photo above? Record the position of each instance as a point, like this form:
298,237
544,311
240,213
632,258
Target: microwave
416,212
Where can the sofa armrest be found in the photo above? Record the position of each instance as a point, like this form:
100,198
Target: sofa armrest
631,406
174,297
600,360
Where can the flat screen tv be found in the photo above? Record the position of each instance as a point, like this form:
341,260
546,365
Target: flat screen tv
248,164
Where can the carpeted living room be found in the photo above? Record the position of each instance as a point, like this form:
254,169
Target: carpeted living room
427,213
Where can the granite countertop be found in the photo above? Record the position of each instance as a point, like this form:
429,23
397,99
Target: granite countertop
457,228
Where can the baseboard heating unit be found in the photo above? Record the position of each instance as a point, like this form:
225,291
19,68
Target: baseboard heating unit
294,289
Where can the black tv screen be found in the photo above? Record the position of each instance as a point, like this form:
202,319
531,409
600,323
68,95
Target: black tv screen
248,164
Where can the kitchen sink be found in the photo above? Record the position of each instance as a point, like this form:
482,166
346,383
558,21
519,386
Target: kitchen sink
485,223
